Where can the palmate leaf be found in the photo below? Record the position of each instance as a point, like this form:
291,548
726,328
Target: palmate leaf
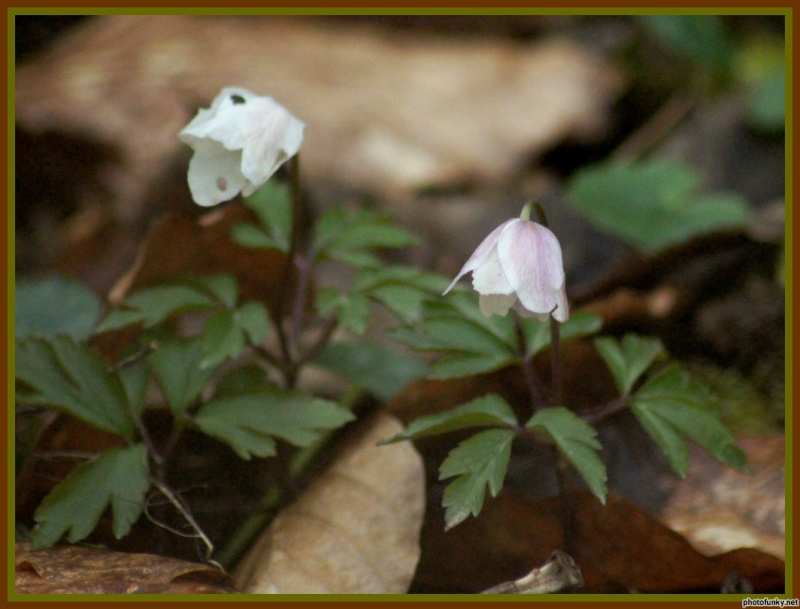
176,366
577,440
480,461
228,331
629,359
150,306
54,305
670,407
538,335
489,410
652,204
72,378
272,205
250,422
119,477
350,237
380,371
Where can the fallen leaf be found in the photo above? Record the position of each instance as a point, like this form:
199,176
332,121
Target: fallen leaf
719,509
83,570
383,112
617,547
355,530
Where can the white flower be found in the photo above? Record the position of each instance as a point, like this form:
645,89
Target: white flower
238,144
519,264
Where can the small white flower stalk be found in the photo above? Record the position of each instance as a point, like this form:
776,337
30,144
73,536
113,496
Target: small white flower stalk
519,265
238,143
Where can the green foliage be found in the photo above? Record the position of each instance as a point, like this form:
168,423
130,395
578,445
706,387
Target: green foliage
701,39
761,66
119,477
250,422
487,411
272,205
401,290
176,366
470,343
652,204
477,462
54,305
72,378
670,406
577,440
628,359
379,370
151,306
350,237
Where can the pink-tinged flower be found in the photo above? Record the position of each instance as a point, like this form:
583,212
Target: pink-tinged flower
238,144
519,264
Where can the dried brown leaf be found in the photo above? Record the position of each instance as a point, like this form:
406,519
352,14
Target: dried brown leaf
355,530
82,570
618,548
383,112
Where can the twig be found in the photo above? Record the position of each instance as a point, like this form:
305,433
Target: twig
186,513
558,573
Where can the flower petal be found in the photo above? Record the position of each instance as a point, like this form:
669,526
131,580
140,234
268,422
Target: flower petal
496,304
224,121
531,258
489,278
214,178
274,135
481,253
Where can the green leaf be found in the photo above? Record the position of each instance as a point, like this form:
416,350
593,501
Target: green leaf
223,287
118,477
538,336
176,366
74,379
221,339
151,306
400,289
479,461
652,204
249,423
767,102
630,360
380,371
577,440
464,364
702,39
352,310
670,406
487,411
253,319
244,379
272,205
135,379
54,305
350,237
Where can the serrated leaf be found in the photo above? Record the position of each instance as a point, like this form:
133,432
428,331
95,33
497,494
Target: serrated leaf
135,379
349,237
253,319
487,411
119,477
480,461
538,336
54,305
176,366
74,379
222,339
249,423
463,364
670,406
151,306
272,204
352,310
402,290
380,371
577,440
222,287
629,359
652,204
244,379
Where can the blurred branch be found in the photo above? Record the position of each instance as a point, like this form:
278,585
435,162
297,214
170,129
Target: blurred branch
556,574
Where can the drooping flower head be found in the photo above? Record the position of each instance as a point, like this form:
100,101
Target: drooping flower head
238,143
519,264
